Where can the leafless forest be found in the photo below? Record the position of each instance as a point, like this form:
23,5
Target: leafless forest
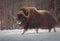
9,9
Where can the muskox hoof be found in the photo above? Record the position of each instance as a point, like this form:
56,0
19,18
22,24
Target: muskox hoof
24,31
37,30
49,30
54,30
22,34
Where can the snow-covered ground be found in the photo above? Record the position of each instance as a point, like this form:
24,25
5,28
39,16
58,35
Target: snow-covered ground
30,35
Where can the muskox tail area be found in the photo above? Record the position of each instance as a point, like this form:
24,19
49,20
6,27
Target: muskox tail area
55,21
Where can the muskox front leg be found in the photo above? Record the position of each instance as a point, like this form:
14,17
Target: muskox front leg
24,31
49,30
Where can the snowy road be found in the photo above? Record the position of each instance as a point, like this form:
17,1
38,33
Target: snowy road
30,35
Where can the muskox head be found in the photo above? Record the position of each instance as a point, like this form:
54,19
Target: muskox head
21,18
24,14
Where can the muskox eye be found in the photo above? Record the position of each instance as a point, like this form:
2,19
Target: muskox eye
19,16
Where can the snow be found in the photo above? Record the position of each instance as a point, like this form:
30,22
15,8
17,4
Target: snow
30,35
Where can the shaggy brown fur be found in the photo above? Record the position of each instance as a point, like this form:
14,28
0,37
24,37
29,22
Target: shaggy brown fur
33,18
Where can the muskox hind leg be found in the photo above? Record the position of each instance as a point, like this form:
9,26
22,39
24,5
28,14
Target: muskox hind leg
54,29
49,30
50,27
36,30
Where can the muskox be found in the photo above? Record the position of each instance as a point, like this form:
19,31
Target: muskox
31,18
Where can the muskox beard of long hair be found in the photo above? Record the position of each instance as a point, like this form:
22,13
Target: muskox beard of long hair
27,24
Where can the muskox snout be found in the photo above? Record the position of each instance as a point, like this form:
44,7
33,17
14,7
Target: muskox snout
19,23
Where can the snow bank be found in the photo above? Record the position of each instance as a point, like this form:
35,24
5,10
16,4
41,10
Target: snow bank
30,35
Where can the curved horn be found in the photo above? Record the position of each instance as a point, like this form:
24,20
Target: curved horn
27,14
